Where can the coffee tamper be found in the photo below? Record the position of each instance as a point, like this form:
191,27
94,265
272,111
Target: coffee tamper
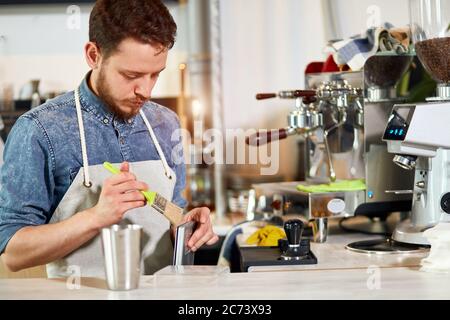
294,229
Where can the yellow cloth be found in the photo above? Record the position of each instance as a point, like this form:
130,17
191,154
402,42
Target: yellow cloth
267,236
344,185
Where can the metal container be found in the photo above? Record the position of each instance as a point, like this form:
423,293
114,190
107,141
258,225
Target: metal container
320,229
122,254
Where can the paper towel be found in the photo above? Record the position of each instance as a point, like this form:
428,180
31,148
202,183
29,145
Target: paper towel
439,258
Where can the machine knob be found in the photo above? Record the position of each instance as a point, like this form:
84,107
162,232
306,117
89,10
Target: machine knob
445,202
294,229
421,184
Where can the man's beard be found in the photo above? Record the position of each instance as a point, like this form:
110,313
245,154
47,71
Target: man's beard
104,93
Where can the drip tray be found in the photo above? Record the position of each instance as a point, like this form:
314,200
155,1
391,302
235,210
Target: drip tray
385,246
270,256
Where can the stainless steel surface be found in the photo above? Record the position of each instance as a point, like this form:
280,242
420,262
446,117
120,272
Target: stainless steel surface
314,80
252,205
381,172
305,119
320,229
409,232
122,255
380,94
326,133
238,201
384,247
182,254
334,151
431,183
35,96
398,192
355,145
404,162
315,205
287,258
339,92
330,160
442,93
431,168
421,184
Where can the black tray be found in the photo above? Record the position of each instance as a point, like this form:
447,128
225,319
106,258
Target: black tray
270,256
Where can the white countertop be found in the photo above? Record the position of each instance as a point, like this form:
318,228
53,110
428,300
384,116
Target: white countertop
340,274
394,283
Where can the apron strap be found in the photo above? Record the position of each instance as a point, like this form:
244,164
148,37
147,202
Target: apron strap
156,143
87,182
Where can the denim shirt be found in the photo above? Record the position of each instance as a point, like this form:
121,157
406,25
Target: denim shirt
43,155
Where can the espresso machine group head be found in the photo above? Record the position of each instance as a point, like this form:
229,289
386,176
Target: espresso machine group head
302,120
307,117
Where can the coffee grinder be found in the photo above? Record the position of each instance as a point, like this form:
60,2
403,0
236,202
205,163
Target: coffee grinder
419,134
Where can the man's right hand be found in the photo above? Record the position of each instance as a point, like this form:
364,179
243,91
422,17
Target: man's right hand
38,245
119,194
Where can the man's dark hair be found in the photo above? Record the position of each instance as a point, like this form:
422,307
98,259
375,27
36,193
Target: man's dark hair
147,21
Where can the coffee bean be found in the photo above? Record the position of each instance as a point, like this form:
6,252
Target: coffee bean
435,56
385,71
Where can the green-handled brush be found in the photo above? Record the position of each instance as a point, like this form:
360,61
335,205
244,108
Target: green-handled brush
168,209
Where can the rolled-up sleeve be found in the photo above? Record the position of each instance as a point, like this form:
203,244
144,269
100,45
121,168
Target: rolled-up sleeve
26,179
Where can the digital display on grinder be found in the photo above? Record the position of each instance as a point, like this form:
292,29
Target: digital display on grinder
396,128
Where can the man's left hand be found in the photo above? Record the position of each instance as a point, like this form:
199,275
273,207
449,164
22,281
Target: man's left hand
203,233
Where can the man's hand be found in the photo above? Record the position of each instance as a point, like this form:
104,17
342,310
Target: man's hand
119,194
37,245
203,232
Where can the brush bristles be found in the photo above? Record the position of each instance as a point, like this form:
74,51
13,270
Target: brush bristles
171,211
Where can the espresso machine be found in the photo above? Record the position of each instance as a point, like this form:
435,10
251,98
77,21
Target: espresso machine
340,117
418,135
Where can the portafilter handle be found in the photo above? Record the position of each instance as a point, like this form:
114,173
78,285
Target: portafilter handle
293,94
265,96
294,230
263,137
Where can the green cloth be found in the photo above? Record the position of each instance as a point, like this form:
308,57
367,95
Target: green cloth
344,185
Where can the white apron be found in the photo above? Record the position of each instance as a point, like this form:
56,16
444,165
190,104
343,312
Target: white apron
157,248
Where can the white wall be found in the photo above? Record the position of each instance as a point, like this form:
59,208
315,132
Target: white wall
354,16
36,42
266,47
